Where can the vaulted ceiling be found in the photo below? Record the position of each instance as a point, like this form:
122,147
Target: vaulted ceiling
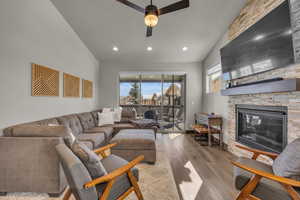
103,24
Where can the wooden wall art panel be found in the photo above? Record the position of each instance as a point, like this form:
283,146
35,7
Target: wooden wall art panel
87,89
44,81
71,85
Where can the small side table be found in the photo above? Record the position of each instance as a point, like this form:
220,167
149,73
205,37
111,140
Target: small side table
209,125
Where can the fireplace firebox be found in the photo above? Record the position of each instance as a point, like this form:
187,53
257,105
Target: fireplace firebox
262,127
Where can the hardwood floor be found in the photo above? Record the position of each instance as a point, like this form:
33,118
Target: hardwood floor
200,172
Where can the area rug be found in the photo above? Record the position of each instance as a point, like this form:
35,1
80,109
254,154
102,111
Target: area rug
156,182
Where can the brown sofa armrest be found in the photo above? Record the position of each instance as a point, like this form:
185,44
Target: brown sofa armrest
31,160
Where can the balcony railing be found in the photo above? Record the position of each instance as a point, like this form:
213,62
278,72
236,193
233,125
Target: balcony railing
169,116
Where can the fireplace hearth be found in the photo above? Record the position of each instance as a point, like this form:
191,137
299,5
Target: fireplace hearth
262,127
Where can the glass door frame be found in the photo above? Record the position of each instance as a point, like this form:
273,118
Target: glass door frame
162,106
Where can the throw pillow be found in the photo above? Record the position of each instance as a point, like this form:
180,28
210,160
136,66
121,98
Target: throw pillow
106,118
90,159
118,114
105,110
287,164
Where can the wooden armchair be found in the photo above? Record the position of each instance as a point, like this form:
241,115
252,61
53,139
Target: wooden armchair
83,187
258,189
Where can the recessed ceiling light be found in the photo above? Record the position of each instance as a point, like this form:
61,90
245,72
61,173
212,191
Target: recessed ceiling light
115,48
259,37
185,48
149,48
289,32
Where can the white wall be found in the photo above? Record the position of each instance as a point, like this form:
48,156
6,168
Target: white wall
215,102
109,83
33,31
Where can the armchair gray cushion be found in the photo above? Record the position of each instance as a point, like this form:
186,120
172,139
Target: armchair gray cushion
287,164
242,177
266,188
122,183
76,173
90,159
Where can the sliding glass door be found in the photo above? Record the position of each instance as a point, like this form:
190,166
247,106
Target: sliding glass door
156,94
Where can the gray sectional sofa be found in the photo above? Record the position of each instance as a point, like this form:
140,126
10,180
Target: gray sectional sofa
30,164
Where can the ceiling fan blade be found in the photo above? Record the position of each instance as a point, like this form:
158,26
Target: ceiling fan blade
132,5
149,31
174,7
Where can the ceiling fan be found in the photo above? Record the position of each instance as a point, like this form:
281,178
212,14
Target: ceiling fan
152,13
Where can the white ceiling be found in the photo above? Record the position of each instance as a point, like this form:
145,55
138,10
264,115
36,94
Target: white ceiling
102,24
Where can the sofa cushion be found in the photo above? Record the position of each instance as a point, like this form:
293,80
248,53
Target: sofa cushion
97,139
72,122
287,164
266,189
95,116
107,130
122,183
51,121
100,129
87,120
90,160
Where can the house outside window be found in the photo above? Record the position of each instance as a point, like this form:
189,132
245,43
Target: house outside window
213,79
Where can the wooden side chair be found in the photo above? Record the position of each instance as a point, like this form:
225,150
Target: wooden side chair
258,181
120,181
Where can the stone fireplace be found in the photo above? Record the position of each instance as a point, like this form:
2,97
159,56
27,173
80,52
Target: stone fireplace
262,127
290,101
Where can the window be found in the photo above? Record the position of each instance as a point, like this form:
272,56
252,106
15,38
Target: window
130,89
151,89
213,79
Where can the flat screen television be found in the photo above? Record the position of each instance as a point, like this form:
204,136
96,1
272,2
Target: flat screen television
266,45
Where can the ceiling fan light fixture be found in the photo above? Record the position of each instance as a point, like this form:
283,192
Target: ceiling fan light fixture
151,12
151,20
151,16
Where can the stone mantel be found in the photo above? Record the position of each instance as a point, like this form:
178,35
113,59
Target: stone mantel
285,85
